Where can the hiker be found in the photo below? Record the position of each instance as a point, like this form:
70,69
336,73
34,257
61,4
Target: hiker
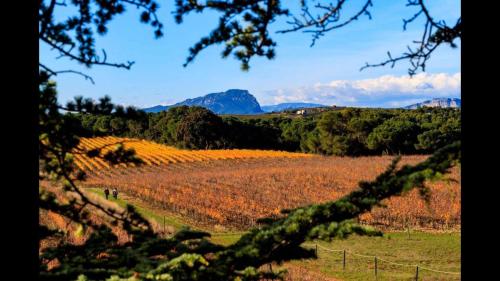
106,192
115,193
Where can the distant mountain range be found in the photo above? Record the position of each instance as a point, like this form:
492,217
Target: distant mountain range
288,106
236,101
233,101
437,102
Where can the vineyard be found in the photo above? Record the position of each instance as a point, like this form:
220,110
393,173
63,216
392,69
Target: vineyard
154,154
231,189
226,191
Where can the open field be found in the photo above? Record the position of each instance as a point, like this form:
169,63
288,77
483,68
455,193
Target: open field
233,194
435,251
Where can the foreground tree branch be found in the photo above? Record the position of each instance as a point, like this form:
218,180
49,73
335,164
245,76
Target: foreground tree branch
74,38
434,34
243,28
331,19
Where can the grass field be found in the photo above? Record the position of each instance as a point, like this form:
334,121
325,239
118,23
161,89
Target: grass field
439,251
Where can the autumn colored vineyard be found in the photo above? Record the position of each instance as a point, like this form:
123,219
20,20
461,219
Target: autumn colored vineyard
154,154
233,188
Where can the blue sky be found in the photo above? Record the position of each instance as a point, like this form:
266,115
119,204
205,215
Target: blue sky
326,73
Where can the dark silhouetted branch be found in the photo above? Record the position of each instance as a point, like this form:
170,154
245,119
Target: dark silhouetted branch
328,21
434,34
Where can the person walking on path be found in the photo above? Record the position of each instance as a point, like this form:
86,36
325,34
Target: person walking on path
115,193
106,192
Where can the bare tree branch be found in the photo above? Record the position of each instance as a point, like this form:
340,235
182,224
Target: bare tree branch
433,35
317,19
55,73
74,38
87,61
328,21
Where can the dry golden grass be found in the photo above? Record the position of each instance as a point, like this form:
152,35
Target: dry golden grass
234,193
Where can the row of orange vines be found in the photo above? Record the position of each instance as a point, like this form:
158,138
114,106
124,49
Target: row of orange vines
158,154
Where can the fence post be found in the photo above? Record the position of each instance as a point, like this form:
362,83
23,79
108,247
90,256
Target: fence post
375,268
164,226
343,262
316,249
416,274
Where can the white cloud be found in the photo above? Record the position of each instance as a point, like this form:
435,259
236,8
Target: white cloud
386,91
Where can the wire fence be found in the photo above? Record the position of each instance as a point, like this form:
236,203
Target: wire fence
375,266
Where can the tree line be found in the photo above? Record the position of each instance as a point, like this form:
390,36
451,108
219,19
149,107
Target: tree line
343,132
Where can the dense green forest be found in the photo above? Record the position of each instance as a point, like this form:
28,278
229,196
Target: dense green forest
344,132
